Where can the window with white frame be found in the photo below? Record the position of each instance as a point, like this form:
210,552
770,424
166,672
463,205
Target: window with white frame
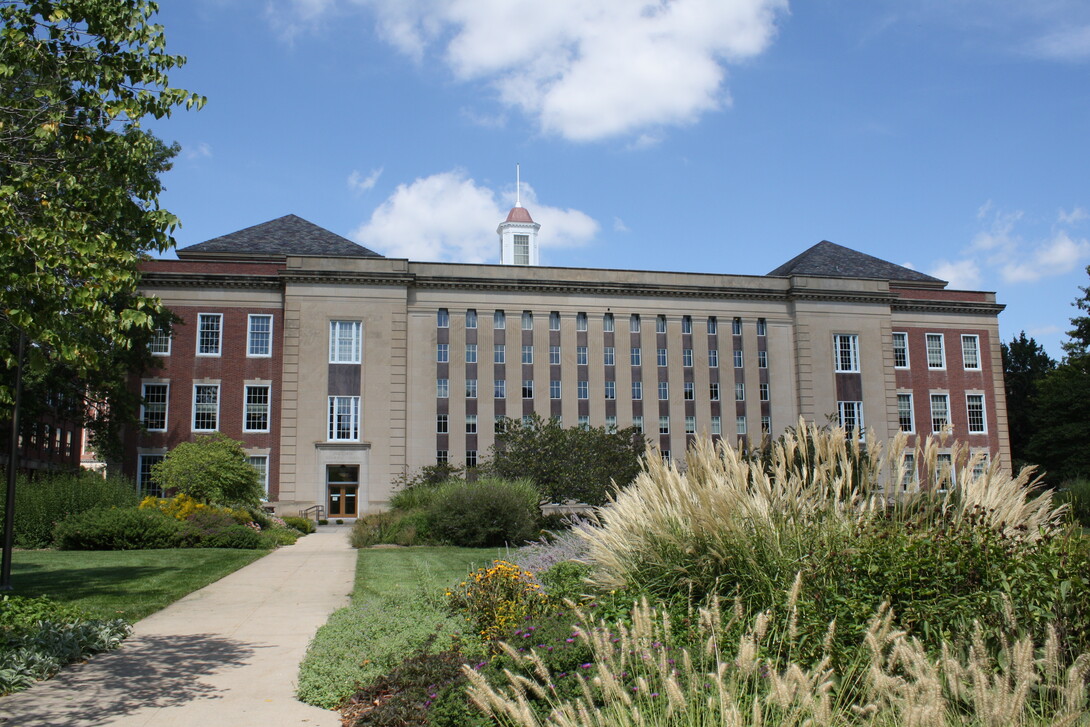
554,355
686,324
471,318
636,357
850,414
736,327
471,454
607,323
582,389
144,465
206,407
609,356
611,423
442,318
554,389
344,342
936,352
762,359
499,389
688,390
499,320
713,359
908,471
255,417
471,353
580,321
690,425
740,424
159,343
442,352
664,425
766,424
660,324
738,359
981,462
900,350
471,388
528,354
944,470
583,422
687,357
974,405
661,356
497,423
554,320
970,352
471,423
713,326
739,392
846,352
940,412
442,424
713,391
581,356
637,390
259,336
664,390
905,414
442,456
499,353
209,333
611,389
153,409
762,327
634,323
637,423
717,425
527,320
260,463
763,390
442,388
344,418
522,257
527,388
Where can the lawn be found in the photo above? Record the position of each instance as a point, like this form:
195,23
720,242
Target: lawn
128,584
397,603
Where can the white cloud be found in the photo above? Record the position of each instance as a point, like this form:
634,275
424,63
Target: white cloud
1064,44
449,217
962,274
1056,256
619,225
1075,216
588,69
359,183
202,150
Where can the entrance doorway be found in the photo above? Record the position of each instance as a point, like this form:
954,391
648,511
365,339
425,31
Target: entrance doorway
342,483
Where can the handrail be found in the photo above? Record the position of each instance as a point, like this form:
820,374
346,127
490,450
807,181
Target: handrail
318,510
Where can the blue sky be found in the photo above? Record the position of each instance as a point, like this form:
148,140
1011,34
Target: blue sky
696,135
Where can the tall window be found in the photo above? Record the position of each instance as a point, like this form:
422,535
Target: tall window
763,391
471,353
260,463
688,391
471,388
970,352
846,351
851,414
900,350
471,318
713,391
159,343
554,355
471,423
554,389
609,357
713,326
736,327
527,354
664,391
442,424
762,359
499,320
713,359
580,355
940,412
936,354
527,388
637,390
762,327
740,424
344,342
580,321
583,421
944,462
905,414
582,389
690,425
908,470
442,456
153,410
660,324
611,389
344,418
442,318
636,356
634,323
499,353
664,425
206,407
766,424
442,352
554,321
739,392
527,320
661,354
256,409
974,404
687,357
637,423
611,423
737,359
143,474
717,425
522,249
607,323
499,389
442,388
259,336
686,324
209,333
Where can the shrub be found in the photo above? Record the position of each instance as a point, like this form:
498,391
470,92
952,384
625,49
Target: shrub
497,599
212,469
304,525
218,528
44,501
1076,495
118,529
489,512
274,537
237,536
395,527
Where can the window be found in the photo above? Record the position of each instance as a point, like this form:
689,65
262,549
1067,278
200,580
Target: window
634,323
153,410
209,330
497,423
607,323
344,342
471,454
580,321
554,321
900,350
442,424
936,354
690,425
713,326
522,249
471,318
527,354
970,352
666,456
256,411
763,391
851,414
736,327
527,388
611,423
442,388
688,391
766,425
717,425
554,355
637,390
471,388
905,414
737,359
143,476
637,423
499,389
980,464
581,355
740,424
499,353
259,336
442,318
662,357
686,324
582,389
664,391
611,389
974,404
441,456
442,352
713,359
739,392
762,359
908,470
940,412
846,353
660,324
687,357
762,327
527,321
499,320
554,389
584,421
713,391
609,357
664,425
344,418
471,423
527,420
159,343
471,353
637,356
260,462
206,407
944,470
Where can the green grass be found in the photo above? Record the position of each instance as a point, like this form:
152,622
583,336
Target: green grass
128,584
397,603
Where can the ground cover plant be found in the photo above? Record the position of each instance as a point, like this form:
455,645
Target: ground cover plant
44,501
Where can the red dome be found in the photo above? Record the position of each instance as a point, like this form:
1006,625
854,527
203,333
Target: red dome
518,214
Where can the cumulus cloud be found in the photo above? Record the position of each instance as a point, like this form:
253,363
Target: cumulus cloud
588,69
359,183
961,274
450,217
1075,216
1055,256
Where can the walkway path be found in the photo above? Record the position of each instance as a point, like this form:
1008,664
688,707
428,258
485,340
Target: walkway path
227,654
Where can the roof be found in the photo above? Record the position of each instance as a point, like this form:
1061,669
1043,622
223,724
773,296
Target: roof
827,259
287,235
518,214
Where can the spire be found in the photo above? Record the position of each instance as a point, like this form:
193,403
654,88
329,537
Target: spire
518,186
518,233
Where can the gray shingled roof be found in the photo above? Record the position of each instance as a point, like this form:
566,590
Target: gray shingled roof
287,235
827,259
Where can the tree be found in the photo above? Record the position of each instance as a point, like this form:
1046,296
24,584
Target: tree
213,469
1061,422
1079,345
1025,363
579,463
79,177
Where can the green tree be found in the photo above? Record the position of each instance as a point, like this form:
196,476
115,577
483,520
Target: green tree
79,177
213,469
1061,422
579,463
1025,363
1079,343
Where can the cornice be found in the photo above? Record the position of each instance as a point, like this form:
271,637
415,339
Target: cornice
912,305
596,288
209,280
350,277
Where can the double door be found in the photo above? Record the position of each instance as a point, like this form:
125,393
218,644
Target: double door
342,484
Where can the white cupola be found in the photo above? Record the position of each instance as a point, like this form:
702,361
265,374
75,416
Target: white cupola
518,233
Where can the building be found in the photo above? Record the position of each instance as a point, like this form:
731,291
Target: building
341,369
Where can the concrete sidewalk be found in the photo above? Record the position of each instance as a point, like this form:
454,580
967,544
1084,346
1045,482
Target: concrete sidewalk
227,654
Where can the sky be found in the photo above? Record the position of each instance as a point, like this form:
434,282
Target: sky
725,136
